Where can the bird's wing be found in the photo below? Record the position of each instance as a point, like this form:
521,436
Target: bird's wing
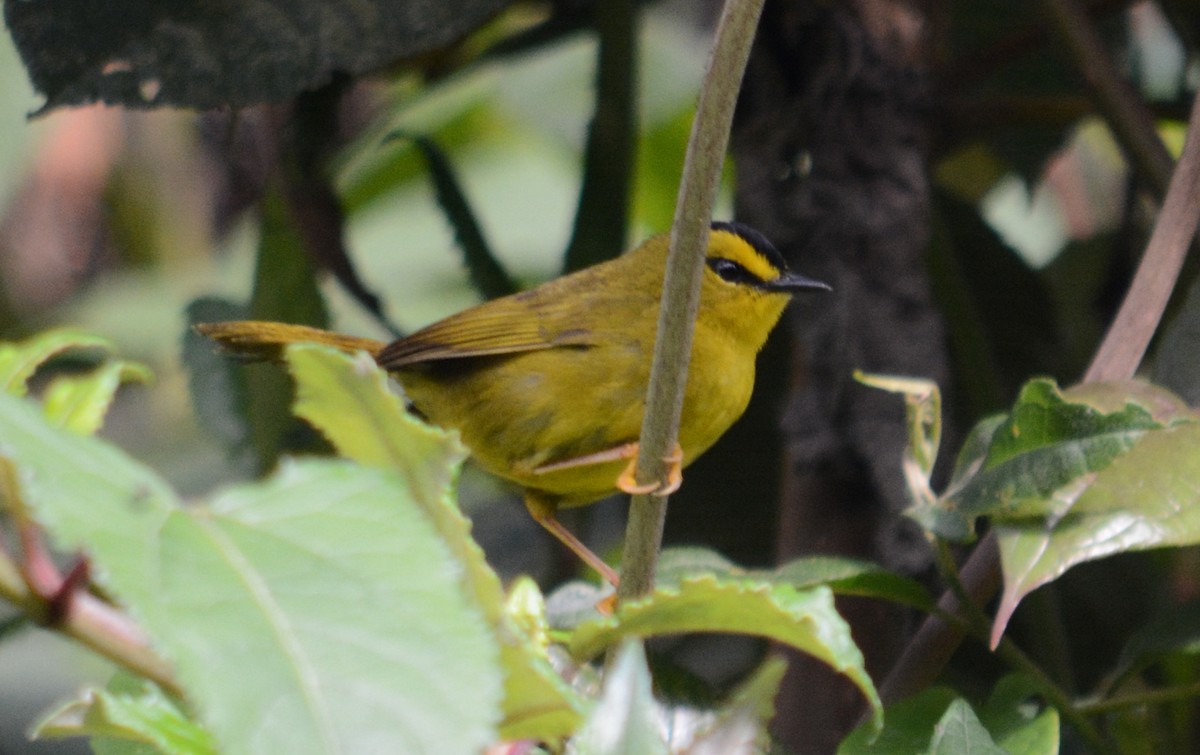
510,325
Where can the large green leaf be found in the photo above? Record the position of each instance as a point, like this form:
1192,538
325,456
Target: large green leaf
91,497
1049,444
329,583
845,576
318,612
804,619
1147,498
347,399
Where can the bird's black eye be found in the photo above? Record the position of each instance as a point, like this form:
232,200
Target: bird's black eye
730,271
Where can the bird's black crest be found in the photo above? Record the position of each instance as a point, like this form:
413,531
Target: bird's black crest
755,239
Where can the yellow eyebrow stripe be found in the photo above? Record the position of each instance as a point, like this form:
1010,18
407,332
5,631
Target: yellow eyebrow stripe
730,246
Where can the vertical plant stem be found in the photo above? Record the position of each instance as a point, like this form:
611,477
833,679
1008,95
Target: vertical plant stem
1117,100
681,288
1129,335
931,647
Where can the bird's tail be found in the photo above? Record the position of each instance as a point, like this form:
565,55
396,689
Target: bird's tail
266,340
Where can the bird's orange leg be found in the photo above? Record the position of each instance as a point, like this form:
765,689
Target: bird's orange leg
617,453
626,481
543,512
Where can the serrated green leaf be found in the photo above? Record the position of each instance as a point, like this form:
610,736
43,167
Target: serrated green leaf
129,710
80,403
624,721
348,400
327,582
1041,456
1117,396
804,619
845,576
1043,416
19,361
1149,497
959,732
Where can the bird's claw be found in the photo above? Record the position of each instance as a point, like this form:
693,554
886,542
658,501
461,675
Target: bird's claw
627,481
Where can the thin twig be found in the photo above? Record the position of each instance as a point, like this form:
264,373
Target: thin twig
89,620
970,72
681,287
931,647
94,624
1130,119
109,632
1129,335
1147,697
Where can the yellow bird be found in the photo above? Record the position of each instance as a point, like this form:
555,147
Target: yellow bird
547,387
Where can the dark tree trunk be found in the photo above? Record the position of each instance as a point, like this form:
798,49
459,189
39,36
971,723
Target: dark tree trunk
830,144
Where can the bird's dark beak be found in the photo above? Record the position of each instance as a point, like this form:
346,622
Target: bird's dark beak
791,283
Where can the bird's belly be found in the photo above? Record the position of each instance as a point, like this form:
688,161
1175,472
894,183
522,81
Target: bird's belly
521,412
